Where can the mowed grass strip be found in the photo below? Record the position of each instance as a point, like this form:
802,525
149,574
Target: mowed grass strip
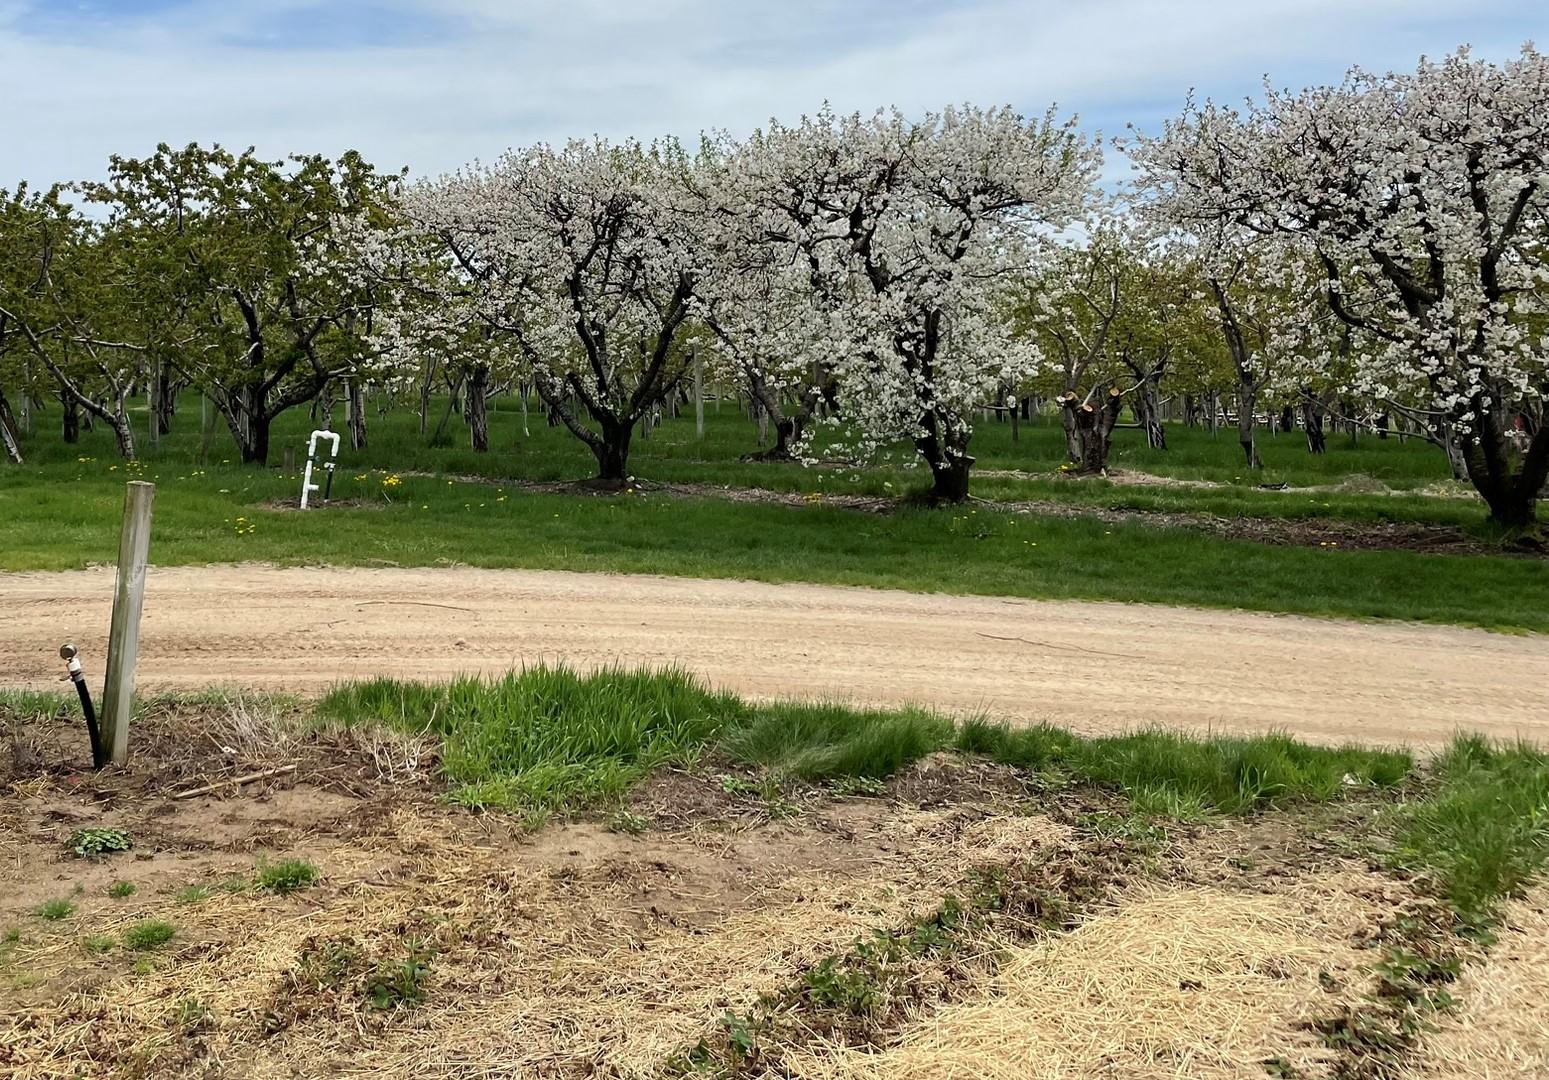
220,517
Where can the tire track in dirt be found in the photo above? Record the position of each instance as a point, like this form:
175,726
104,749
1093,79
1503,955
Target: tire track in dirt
1089,666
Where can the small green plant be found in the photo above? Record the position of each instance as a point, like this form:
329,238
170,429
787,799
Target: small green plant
148,934
191,1012
90,843
99,943
738,785
54,910
777,807
287,876
194,894
12,935
233,884
858,786
739,1034
121,890
628,823
326,963
400,983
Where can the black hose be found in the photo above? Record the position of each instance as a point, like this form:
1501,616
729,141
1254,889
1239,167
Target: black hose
98,757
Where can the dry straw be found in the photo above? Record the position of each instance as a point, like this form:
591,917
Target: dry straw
542,967
1196,982
1501,1031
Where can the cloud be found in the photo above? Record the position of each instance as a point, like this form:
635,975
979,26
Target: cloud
434,83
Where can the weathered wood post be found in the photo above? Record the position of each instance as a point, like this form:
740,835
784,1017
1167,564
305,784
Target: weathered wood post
134,547
699,393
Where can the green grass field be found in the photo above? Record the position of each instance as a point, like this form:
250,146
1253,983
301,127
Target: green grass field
413,508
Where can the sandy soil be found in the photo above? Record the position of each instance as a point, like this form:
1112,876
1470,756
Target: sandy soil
1086,665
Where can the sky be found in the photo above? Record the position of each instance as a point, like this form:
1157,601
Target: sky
434,84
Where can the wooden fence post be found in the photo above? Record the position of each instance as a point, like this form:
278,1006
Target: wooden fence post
134,546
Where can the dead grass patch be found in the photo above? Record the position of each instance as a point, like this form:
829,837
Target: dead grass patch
1191,982
1501,1031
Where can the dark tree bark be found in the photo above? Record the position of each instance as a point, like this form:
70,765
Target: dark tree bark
1093,428
1247,401
355,414
9,435
1148,411
1190,411
71,422
789,425
477,409
167,389
950,464
1312,421
1287,418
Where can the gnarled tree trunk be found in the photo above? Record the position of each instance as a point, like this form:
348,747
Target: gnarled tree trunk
355,414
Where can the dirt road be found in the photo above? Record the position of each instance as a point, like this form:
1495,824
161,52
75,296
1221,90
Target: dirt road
1085,665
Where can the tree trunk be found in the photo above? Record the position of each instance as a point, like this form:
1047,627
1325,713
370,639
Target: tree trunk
255,448
1093,427
1449,444
1511,493
248,418
612,451
1148,407
1383,424
1073,452
946,452
1312,421
123,433
478,408
166,402
1247,399
1287,418
72,420
355,414
9,435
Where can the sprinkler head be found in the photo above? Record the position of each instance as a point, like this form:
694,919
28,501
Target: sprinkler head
67,651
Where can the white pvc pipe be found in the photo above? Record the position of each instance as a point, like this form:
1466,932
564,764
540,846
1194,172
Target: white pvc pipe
307,487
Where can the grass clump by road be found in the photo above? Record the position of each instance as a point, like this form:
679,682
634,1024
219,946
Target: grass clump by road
824,741
546,738
1161,768
1484,830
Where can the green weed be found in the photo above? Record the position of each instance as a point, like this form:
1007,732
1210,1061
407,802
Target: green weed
148,934
286,876
54,910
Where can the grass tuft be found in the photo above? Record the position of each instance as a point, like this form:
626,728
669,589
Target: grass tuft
1169,774
287,876
1484,832
54,910
148,934
546,738
823,741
